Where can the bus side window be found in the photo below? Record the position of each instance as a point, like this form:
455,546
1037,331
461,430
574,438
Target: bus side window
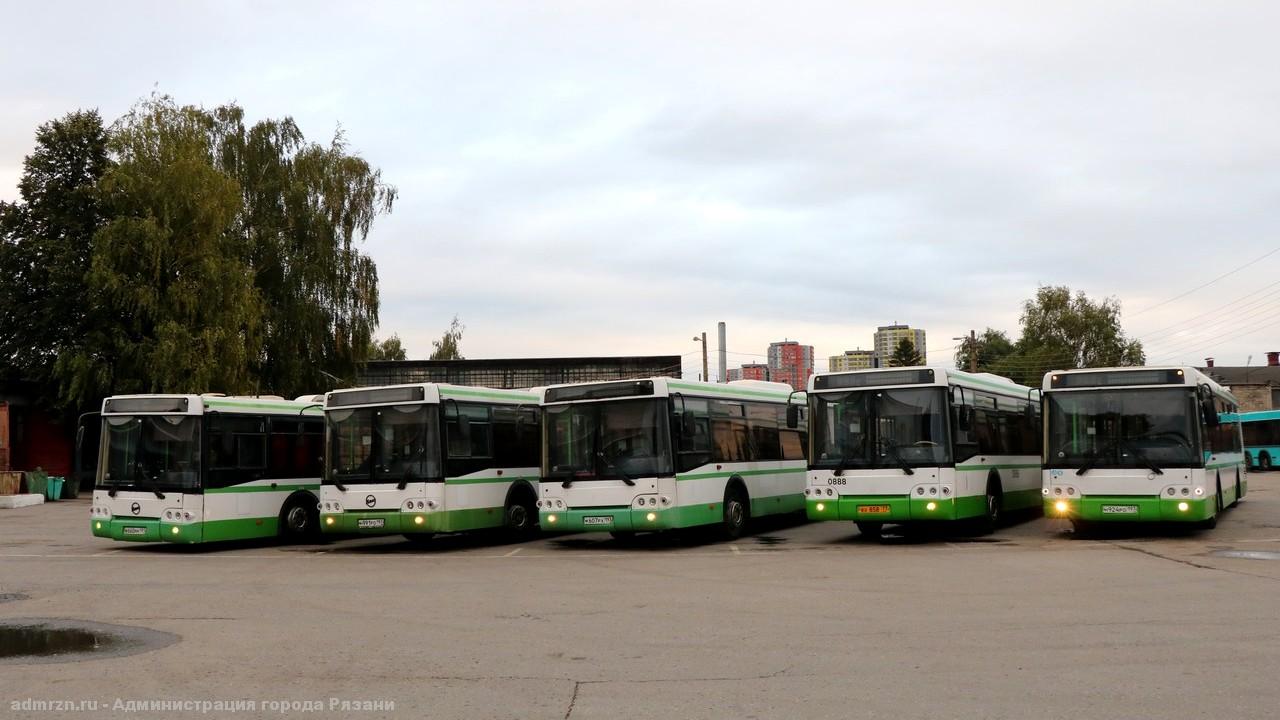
469,437
693,430
762,419
237,450
296,447
730,440
963,418
515,436
792,441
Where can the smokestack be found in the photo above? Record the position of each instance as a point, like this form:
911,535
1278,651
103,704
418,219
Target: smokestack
1208,362
722,364
1273,359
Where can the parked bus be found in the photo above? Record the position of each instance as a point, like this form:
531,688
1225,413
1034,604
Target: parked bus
416,460
661,453
202,468
908,445
1140,444
1261,438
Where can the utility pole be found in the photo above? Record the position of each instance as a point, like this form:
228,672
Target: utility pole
703,340
973,351
723,375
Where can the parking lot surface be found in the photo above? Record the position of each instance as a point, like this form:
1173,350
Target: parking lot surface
794,621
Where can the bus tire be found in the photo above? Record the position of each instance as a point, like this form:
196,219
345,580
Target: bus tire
993,507
737,510
1081,528
1264,461
300,518
519,516
419,539
871,530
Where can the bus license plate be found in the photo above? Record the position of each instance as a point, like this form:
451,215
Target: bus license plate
1119,509
598,520
135,531
873,509
368,523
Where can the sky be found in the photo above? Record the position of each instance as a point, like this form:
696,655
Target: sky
610,178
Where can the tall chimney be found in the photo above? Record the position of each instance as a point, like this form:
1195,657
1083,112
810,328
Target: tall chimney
1273,358
1208,362
722,364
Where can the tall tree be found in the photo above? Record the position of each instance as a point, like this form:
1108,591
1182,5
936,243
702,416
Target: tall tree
389,349
1063,331
167,270
46,241
446,348
990,347
304,208
905,355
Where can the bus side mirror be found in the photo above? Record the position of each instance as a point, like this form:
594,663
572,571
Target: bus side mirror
1210,413
965,418
688,425
464,425
793,417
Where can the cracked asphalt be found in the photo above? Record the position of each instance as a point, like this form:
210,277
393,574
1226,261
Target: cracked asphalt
795,621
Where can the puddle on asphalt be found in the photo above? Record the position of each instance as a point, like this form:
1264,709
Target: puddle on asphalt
1248,554
770,539
41,640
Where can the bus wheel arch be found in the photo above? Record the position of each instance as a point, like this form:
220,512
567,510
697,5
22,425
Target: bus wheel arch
1264,460
993,502
519,511
300,517
736,508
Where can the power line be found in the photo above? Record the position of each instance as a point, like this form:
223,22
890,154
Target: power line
1205,285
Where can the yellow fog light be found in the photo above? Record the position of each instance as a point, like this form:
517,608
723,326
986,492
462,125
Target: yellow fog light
418,520
97,526
651,517
822,506
1060,506
173,530
931,506
551,518
328,521
1183,507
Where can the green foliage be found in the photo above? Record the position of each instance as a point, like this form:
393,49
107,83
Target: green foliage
991,347
905,355
180,313
389,349
446,348
1065,331
46,240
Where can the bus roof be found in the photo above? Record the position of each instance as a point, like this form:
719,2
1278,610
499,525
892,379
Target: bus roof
166,404
1140,376
667,387
915,377
427,393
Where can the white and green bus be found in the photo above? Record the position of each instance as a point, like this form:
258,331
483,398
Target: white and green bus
661,453
416,460
910,445
1140,444
203,468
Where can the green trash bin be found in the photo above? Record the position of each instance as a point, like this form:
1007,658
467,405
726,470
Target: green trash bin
37,483
53,487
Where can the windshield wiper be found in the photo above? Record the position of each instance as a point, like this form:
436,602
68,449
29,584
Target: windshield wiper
609,465
1097,457
409,476
142,475
892,447
1142,456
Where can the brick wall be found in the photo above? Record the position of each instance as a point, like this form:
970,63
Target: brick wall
1253,397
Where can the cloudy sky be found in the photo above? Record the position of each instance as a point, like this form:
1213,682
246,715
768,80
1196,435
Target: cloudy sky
614,177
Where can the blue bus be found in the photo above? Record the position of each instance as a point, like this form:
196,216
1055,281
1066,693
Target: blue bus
1261,438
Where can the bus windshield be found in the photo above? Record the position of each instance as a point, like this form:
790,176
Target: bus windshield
903,427
1113,428
392,443
617,440
151,453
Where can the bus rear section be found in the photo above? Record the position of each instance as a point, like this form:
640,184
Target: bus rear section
1261,430
192,469
416,460
663,454
1140,445
920,445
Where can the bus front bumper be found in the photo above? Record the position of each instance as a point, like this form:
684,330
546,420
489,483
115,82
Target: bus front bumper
891,508
1130,508
619,519
146,530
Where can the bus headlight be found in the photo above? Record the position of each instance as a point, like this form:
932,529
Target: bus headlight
328,521
419,520
821,506
1060,506
931,506
1183,507
651,517
551,519
174,530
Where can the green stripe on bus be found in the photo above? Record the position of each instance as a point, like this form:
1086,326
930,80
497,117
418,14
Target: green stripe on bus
311,409
740,473
260,488
474,481
713,389
966,468
497,395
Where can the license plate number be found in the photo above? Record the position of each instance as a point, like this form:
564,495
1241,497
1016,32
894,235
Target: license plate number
598,520
1120,509
135,531
368,523
873,509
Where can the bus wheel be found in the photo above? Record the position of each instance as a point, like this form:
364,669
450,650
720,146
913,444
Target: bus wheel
994,506
300,519
872,530
520,517
736,512
1264,461
1081,528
